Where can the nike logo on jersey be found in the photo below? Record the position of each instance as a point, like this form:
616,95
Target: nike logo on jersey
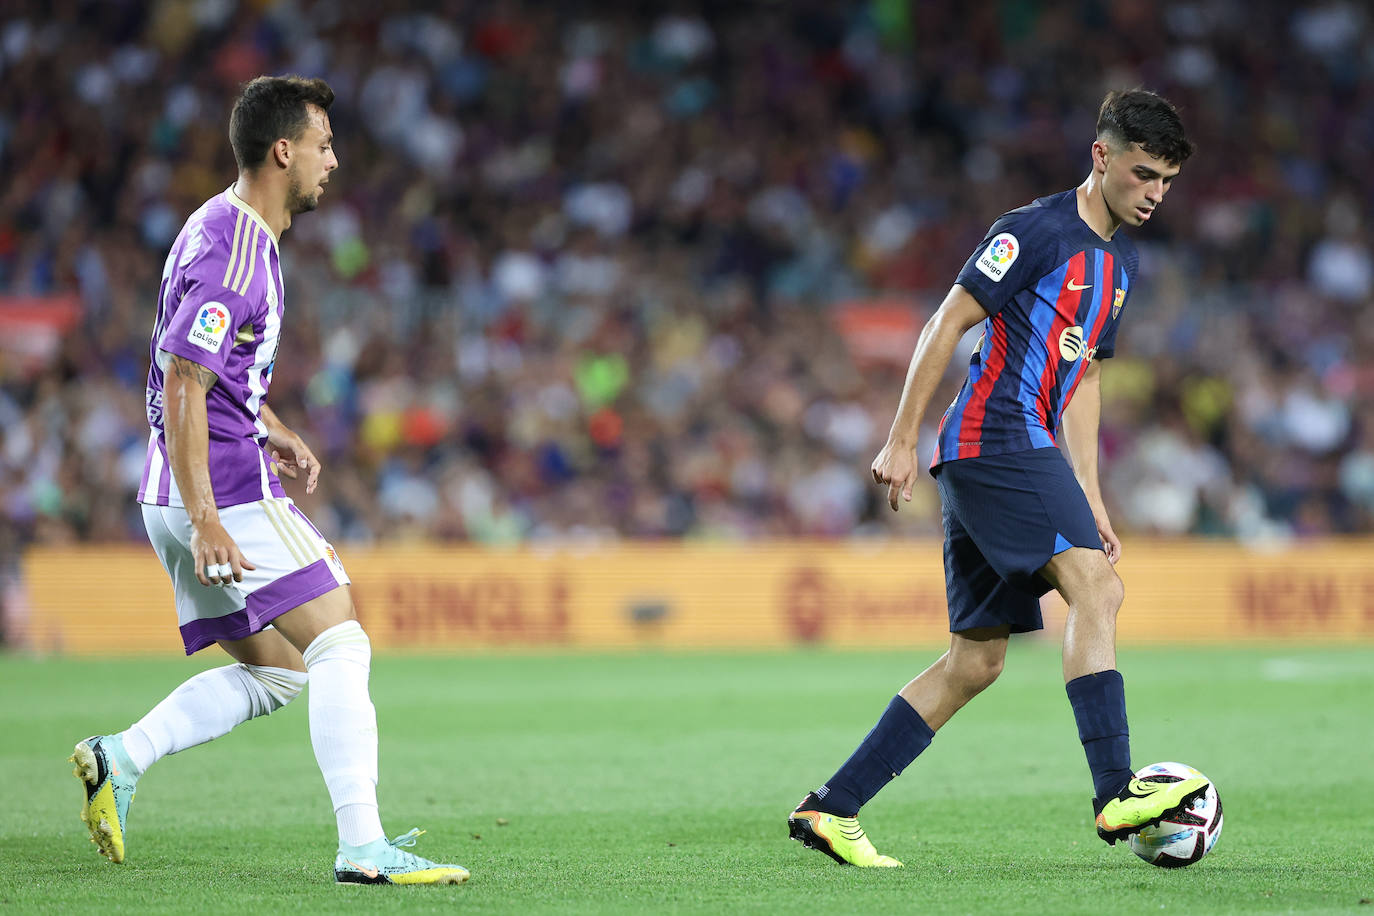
1075,287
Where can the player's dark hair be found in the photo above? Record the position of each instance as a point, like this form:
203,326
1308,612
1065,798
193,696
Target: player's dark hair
269,108
1148,120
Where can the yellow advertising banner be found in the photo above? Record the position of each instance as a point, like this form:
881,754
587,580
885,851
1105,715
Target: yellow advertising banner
739,595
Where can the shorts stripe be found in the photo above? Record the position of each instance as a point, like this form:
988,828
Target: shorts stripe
312,539
285,531
308,551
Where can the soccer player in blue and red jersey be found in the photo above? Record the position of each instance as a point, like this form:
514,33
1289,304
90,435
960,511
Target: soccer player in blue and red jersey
1048,284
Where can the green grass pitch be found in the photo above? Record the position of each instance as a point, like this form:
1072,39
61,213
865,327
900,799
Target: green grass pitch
656,783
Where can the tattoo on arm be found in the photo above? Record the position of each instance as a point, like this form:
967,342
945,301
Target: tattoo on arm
194,371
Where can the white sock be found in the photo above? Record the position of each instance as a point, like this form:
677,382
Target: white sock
207,706
343,728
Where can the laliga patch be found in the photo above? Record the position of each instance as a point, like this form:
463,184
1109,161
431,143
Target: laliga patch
1001,253
210,327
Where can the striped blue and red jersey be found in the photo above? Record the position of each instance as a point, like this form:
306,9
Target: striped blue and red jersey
1053,290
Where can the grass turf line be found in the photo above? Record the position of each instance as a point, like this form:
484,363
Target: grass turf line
661,783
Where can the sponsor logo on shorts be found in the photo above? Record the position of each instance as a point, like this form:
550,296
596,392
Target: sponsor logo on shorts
1001,253
210,327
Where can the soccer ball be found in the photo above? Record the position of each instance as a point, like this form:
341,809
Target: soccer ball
1187,836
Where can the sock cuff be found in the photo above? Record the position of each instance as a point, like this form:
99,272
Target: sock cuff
900,735
1099,705
907,715
1097,681
282,684
348,634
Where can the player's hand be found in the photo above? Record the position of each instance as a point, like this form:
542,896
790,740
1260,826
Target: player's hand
290,456
1110,542
896,467
218,559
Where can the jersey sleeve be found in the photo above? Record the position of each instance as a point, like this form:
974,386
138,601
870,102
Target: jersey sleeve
208,317
1012,256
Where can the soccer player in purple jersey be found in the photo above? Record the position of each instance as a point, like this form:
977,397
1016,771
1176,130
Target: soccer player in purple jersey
249,571
1048,284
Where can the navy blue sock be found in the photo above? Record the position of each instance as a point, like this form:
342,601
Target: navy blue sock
898,738
1099,706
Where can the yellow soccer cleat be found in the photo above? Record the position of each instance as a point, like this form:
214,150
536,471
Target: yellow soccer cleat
1144,803
106,772
841,838
383,861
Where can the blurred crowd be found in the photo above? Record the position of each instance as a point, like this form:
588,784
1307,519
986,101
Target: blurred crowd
593,271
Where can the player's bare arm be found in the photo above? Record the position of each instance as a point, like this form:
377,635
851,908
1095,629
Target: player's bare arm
290,454
1080,423
896,464
218,559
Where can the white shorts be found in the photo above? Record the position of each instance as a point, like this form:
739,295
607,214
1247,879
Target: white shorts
294,564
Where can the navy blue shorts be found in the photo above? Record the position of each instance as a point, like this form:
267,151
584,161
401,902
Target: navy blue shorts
1005,516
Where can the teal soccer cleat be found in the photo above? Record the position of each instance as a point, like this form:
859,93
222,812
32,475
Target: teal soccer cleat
106,772
383,861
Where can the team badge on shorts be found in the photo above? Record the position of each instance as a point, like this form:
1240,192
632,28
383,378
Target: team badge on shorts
332,557
210,327
1001,253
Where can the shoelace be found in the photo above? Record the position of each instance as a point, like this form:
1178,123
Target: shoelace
407,839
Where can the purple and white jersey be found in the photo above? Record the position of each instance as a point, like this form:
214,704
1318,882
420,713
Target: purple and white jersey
220,305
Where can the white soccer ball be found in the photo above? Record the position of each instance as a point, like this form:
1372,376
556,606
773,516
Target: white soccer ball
1187,836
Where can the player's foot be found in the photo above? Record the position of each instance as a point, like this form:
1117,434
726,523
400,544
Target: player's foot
1143,803
383,861
841,838
106,772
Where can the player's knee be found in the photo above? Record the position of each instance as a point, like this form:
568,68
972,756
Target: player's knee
1097,590
279,686
1112,591
975,673
989,669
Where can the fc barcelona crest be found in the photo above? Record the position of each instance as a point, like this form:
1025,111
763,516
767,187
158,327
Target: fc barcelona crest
1118,302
